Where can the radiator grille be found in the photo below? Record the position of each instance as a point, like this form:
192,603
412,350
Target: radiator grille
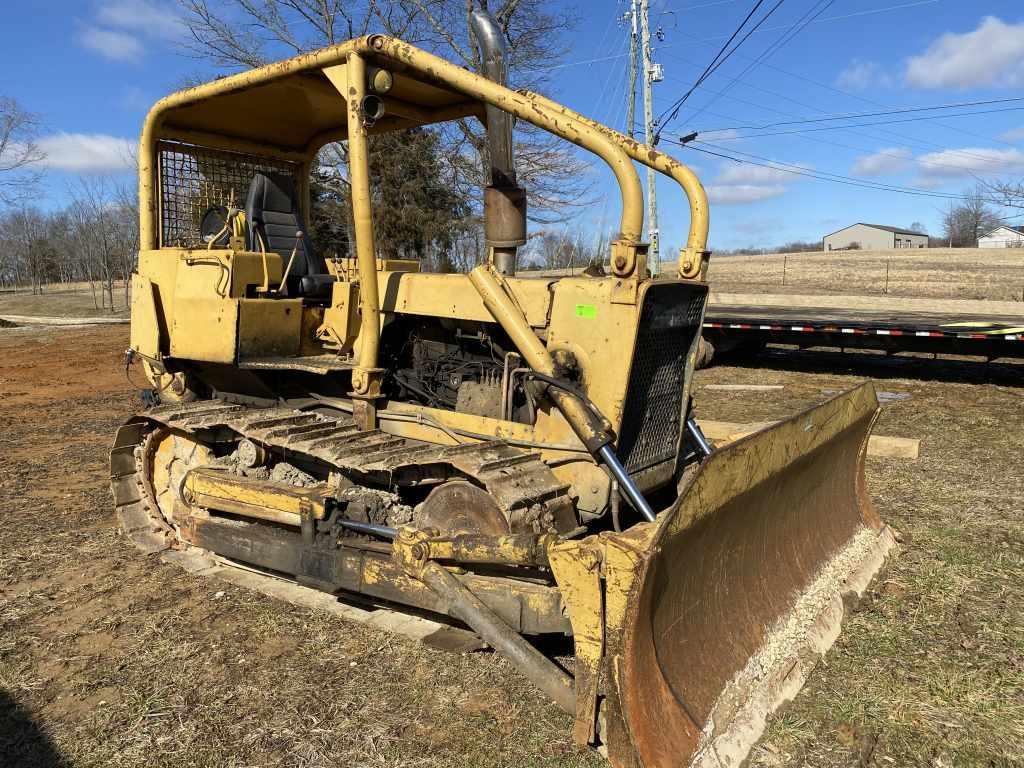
652,417
194,179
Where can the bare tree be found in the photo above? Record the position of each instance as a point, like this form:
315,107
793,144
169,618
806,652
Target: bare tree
104,223
20,156
239,34
126,223
1010,194
963,224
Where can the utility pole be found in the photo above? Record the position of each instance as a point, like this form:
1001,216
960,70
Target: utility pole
651,72
633,36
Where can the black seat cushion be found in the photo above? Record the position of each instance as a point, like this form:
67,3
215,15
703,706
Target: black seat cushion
273,212
316,286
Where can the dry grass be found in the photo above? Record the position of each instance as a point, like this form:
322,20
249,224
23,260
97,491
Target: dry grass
959,273
929,671
110,659
72,300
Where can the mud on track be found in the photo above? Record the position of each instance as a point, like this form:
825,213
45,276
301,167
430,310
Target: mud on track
107,658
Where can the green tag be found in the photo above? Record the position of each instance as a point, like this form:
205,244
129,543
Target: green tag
586,311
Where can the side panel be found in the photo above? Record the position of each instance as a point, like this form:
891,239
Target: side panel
269,328
599,333
453,296
145,327
204,329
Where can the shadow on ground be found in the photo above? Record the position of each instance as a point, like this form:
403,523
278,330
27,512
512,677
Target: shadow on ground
23,744
880,366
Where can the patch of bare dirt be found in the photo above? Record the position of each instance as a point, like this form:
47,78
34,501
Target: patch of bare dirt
110,658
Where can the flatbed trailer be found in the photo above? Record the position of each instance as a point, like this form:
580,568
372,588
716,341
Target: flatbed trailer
733,328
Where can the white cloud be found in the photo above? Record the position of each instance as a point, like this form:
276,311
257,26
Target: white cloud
87,152
882,162
1015,134
991,55
149,18
968,161
860,75
755,174
109,43
737,184
122,26
737,194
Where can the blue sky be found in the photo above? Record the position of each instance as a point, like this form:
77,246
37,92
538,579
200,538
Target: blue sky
106,61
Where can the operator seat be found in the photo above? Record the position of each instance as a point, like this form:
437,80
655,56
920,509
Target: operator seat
273,215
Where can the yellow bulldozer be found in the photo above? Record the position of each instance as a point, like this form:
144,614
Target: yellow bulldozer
516,456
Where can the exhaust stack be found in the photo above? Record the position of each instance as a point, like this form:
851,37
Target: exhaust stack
504,200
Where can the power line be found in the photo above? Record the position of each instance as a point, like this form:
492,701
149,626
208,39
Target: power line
720,58
872,150
869,12
898,136
785,97
599,59
820,140
715,62
706,5
858,115
831,143
798,170
785,38
840,91
916,119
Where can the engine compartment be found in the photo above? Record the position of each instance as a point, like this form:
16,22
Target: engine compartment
457,366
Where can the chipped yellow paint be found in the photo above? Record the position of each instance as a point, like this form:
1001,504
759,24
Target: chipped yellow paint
576,565
265,500
624,555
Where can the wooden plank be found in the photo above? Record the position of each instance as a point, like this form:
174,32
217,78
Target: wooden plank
893,447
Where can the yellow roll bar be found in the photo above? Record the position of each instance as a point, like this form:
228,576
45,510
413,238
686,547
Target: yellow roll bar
616,150
697,238
405,55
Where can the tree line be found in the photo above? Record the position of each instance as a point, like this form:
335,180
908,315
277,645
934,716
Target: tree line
427,182
94,239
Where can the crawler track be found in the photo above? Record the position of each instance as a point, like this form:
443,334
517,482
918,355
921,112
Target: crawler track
520,482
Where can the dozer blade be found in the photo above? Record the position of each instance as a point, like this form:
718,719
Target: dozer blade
716,612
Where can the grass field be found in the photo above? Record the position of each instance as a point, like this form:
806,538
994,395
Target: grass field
959,273
109,658
57,300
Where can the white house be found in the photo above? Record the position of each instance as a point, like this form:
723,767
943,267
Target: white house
1003,237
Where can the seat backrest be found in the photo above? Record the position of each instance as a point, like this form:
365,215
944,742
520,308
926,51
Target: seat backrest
273,212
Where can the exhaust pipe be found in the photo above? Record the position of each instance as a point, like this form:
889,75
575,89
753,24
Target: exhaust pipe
504,200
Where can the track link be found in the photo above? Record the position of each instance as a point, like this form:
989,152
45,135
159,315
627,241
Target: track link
518,480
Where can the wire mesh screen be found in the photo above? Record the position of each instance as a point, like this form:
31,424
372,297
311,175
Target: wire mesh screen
652,418
194,179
